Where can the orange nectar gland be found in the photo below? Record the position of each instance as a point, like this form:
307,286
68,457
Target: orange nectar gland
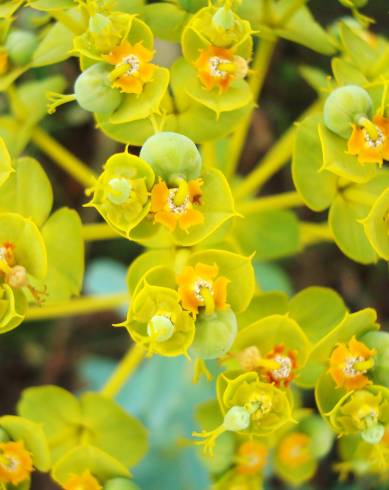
199,287
82,482
370,140
176,206
349,364
15,275
3,62
251,457
132,67
278,367
294,450
217,67
15,463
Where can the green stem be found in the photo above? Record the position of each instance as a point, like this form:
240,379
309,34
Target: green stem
290,11
68,21
311,233
98,231
356,195
278,201
78,306
63,158
125,368
275,159
259,70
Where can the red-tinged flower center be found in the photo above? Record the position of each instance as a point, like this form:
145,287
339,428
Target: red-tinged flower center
285,365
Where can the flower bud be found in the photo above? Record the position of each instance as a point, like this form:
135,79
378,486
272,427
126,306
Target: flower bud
172,156
380,342
94,92
223,18
20,46
353,3
160,327
344,107
236,419
120,484
215,334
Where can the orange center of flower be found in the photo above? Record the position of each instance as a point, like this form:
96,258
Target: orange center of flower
176,206
16,275
287,363
199,287
15,463
132,67
217,67
349,364
294,450
370,140
82,482
251,458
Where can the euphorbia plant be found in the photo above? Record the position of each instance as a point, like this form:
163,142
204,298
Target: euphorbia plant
194,289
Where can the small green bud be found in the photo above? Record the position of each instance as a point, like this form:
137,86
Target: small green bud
345,106
121,190
373,434
215,334
236,419
160,327
353,3
94,92
98,23
20,46
172,156
4,437
223,18
120,484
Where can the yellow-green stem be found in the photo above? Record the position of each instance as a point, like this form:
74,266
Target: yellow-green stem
311,233
277,201
123,371
259,70
275,159
290,11
78,306
98,231
208,153
63,158
356,195
68,22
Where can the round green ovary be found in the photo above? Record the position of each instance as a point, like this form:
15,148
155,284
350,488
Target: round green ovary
160,328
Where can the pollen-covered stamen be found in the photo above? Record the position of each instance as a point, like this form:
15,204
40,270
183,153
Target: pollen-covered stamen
220,67
17,278
173,206
133,63
15,463
200,288
160,327
350,366
375,141
285,369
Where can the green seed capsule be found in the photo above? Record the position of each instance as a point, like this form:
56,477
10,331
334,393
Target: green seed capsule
223,18
236,419
20,46
215,334
94,92
120,484
373,434
172,156
344,107
4,437
160,328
